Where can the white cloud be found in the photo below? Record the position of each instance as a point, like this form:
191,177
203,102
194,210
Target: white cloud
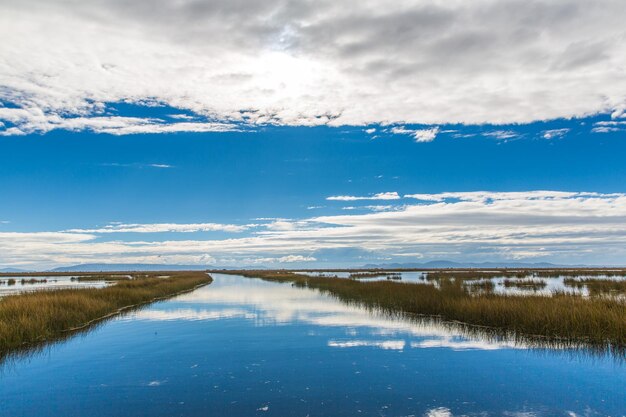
554,133
380,196
420,135
303,63
165,227
556,226
501,134
372,208
609,126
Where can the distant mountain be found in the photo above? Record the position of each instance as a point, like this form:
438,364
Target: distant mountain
12,270
143,267
452,264
130,267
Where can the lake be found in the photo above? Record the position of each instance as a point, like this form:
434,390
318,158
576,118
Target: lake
246,347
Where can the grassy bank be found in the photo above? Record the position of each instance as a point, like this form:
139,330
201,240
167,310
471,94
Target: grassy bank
31,318
562,317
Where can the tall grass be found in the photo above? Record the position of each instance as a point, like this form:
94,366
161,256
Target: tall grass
31,318
562,317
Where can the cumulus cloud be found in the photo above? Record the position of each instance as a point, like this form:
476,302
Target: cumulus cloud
308,63
379,196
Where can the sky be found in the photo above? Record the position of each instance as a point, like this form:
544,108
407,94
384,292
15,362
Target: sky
312,134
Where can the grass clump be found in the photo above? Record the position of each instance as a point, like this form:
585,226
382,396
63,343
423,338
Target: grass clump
597,286
486,286
32,318
366,275
89,278
562,317
525,284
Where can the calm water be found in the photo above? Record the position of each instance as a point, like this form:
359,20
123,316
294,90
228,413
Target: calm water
51,283
244,347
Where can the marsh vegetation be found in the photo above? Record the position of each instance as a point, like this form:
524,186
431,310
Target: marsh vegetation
563,317
377,274
34,317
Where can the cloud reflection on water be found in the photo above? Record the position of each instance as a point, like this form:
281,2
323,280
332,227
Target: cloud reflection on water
272,304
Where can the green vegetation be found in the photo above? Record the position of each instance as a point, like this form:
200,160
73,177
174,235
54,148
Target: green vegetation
597,286
31,318
562,318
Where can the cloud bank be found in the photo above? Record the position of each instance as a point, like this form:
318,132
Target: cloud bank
554,226
308,63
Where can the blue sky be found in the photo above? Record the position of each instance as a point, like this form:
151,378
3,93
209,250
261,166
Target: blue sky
298,134
274,177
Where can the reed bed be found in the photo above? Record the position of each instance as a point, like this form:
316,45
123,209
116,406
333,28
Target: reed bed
474,274
525,284
31,318
486,285
562,317
89,278
597,286
366,275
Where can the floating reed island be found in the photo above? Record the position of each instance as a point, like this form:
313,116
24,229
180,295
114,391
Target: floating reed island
366,275
32,318
562,317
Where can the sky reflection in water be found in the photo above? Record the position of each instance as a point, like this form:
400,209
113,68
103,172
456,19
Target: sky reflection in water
245,347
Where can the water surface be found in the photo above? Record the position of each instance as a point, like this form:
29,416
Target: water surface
246,347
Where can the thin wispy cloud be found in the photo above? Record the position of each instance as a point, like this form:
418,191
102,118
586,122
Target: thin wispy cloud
420,135
501,134
165,227
555,133
379,196
135,165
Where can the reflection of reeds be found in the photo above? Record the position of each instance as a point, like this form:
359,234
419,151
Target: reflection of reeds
565,318
31,318
597,286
